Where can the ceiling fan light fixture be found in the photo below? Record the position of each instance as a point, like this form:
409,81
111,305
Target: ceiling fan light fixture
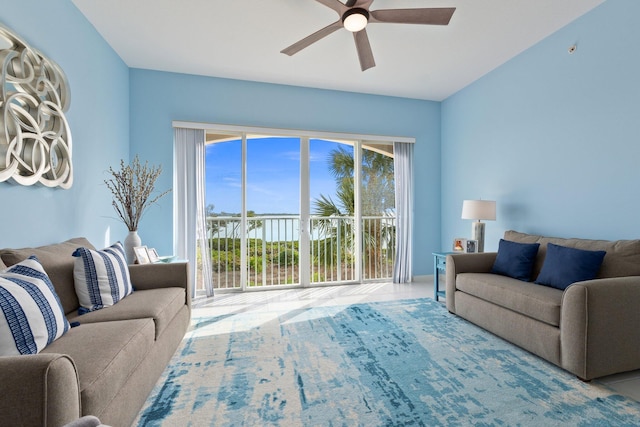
355,19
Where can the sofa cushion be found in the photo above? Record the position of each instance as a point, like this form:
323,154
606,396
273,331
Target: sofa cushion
31,313
515,259
564,266
57,262
101,278
622,258
160,304
538,302
106,354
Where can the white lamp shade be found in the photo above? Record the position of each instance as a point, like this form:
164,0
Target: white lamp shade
479,209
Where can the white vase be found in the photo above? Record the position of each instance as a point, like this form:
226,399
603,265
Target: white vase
131,241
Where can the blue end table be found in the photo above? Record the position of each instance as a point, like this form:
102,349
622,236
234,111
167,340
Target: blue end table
439,266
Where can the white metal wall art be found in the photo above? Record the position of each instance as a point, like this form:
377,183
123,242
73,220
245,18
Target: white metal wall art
35,139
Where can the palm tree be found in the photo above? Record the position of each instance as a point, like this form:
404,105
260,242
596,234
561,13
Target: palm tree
377,190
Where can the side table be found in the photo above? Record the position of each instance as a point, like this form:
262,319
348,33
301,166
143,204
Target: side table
439,266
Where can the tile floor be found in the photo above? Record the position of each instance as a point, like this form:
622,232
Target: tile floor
627,384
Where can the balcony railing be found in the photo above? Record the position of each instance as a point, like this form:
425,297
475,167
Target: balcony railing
273,257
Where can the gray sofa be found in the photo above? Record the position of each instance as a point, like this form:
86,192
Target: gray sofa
590,329
106,366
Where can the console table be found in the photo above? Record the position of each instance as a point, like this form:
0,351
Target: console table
439,266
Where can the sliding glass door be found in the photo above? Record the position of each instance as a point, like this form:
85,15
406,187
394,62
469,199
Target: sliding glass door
272,211
378,213
297,211
333,243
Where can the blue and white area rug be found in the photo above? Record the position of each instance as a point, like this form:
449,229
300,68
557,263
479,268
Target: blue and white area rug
400,363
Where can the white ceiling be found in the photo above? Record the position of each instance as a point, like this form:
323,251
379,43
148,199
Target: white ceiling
242,39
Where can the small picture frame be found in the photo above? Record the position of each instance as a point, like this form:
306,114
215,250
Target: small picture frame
471,246
142,255
459,244
153,255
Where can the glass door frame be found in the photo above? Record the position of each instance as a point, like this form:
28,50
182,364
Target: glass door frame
304,235
304,227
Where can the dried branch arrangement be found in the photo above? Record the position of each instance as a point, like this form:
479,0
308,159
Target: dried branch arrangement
132,187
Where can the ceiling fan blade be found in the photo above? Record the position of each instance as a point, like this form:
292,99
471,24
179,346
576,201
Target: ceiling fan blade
365,55
365,4
320,34
336,5
429,16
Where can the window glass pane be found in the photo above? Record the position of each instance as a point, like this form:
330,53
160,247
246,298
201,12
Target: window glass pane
377,188
273,175
378,210
223,174
224,205
273,210
332,209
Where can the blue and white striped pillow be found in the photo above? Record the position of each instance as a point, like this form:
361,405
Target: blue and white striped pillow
32,315
101,278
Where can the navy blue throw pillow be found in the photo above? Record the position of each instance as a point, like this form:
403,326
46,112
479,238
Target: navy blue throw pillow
515,259
564,266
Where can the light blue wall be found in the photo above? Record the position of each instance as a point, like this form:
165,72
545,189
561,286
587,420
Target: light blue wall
158,98
554,138
99,122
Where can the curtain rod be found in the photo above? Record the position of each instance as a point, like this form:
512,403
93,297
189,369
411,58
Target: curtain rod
289,132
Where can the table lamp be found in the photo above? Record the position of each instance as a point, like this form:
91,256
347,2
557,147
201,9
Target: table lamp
478,210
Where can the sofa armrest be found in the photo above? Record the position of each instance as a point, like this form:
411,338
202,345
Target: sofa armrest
39,390
161,275
465,263
598,327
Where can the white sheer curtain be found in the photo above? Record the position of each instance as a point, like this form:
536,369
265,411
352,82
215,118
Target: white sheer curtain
403,177
190,222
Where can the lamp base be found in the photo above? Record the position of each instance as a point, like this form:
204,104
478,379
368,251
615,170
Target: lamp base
477,233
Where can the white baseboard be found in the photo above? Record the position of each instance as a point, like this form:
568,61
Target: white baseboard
424,278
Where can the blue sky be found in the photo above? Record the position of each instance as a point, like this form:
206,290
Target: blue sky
273,174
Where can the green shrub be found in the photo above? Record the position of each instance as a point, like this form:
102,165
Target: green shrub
288,257
225,260
255,264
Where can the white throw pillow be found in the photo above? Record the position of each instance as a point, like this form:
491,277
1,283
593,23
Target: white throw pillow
31,315
101,278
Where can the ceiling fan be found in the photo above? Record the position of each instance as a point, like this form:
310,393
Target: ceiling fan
354,17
